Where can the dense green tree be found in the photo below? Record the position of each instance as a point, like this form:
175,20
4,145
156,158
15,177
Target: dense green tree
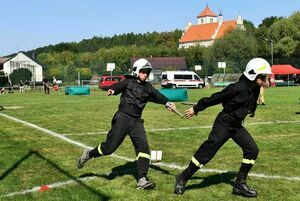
235,48
249,27
285,33
54,72
269,21
20,74
85,73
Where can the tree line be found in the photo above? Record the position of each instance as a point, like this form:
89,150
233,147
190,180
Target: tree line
236,48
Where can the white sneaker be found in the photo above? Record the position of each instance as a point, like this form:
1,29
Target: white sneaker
144,183
83,158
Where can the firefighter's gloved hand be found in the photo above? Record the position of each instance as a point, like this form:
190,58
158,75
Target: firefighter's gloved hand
170,106
189,113
110,92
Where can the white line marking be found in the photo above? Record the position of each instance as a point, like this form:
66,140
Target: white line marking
172,166
49,186
12,107
55,185
187,128
175,166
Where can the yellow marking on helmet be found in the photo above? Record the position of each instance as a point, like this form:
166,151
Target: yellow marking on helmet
248,161
99,149
144,155
194,160
263,67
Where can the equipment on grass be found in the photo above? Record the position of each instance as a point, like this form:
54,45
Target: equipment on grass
75,90
155,156
55,87
175,95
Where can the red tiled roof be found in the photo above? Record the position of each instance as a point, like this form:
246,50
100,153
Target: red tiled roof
226,27
204,32
3,59
199,32
206,12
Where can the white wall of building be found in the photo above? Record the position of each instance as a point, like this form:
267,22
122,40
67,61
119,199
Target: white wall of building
201,43
207,19
22,61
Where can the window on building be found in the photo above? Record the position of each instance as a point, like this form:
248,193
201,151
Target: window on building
211,20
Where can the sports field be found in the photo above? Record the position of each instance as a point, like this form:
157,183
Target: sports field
41,136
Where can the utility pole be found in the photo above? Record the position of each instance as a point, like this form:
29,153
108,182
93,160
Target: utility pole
272,49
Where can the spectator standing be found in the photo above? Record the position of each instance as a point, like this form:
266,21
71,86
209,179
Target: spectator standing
21,86
46,85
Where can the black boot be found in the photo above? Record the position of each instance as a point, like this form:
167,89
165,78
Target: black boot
179,185
240,186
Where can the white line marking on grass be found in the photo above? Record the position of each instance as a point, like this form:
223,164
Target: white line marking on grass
12,107
186,128
175,166
46,131
172,166
47,187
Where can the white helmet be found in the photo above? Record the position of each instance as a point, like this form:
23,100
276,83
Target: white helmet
139,65
256,67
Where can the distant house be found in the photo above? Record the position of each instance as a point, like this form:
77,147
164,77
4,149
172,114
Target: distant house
160,64
209,27
20,60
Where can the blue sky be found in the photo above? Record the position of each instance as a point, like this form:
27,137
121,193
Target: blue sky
29,24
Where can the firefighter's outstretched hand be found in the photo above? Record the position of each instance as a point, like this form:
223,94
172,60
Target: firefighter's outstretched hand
170,106
189,113
110,92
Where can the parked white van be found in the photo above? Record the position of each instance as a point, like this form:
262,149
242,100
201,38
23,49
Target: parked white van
176,79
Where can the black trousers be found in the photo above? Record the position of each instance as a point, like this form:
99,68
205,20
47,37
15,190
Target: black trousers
121,125
46,89
224,128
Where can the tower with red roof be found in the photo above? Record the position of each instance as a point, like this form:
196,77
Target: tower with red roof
209,27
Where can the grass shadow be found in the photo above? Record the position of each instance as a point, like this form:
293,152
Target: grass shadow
101,196
226,178
129,168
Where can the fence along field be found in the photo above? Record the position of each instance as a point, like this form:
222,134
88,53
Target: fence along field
276,129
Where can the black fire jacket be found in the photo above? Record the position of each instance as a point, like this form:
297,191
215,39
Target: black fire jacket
238,99
135,96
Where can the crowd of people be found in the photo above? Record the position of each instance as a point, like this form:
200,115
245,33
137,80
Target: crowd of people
24,86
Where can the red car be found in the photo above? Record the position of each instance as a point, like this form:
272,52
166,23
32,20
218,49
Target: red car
107,80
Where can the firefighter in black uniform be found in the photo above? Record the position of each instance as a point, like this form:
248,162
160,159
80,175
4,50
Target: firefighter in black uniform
238,100
136,92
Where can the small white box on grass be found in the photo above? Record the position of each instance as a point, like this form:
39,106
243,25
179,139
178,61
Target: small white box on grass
156,156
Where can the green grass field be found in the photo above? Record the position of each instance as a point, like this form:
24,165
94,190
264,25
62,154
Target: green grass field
31,157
